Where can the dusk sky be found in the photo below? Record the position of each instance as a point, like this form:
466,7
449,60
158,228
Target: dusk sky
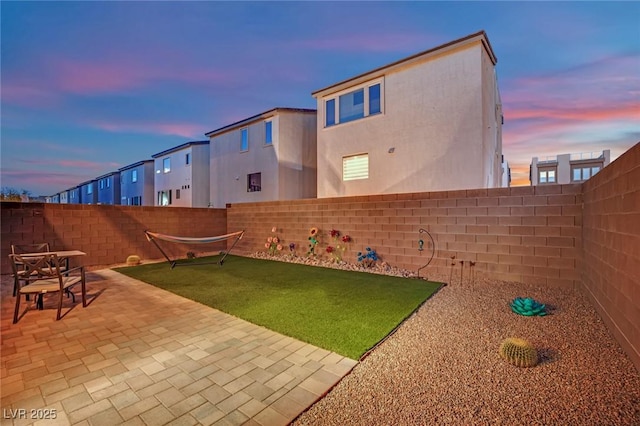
89,87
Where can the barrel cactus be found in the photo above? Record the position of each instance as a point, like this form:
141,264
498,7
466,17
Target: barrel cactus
519,352
133,260
528,307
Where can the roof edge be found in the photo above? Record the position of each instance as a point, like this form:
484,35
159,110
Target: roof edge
257,117
482,34
179,147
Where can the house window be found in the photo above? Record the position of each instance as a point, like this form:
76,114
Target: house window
254,182
354,105
134,175
166,165
580,174
90,189
187,158
108,182
268,132
355,167
101,183
351,106
164,198
244,139
330,112
177,194
546,176
135,201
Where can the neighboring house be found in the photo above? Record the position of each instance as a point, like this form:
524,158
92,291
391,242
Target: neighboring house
109,188
429,122
267,157
53,198
567,168
88,192
136,184
64,197
74,195
182,175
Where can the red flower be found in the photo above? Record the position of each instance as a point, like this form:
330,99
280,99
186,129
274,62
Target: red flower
329,249
346,239
334,233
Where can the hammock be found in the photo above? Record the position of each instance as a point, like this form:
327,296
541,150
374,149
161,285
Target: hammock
152,236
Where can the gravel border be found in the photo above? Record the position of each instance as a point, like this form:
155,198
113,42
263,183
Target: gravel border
442,366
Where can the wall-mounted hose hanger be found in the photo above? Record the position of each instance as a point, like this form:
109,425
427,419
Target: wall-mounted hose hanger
421,247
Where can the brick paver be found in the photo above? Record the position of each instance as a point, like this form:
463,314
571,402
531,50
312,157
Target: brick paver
142,356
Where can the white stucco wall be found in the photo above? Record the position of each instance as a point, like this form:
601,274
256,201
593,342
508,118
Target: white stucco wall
192,180
434,116
285,166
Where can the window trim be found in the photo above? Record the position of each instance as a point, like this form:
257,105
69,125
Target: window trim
345,165
166,165
268,132
244,134
335,98
258,187
546,176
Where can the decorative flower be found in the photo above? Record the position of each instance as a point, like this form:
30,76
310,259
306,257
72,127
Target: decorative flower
266,245
313,231
329,249
334,233
276,240
274,229
292,246
270,239
346,239
279,247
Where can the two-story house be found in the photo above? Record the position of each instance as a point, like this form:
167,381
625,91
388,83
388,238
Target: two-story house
429,122
269,156
108,186
136,184
182,175
567,168
88,192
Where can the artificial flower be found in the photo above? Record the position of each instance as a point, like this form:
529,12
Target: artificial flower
334,233
313,231
270,239
279,247
266,245
273,229
346,239
276,240
329,249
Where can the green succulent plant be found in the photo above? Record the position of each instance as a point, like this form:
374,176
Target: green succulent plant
528,307
519,352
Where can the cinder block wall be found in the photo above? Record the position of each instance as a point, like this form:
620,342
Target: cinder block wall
611,242
108,234
525,234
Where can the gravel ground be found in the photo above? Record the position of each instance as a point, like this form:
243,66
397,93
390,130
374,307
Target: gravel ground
442,366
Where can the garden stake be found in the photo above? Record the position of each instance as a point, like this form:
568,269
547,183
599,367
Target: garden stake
451,272
461,269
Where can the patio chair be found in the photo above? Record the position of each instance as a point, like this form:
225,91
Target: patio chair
49,279
27,248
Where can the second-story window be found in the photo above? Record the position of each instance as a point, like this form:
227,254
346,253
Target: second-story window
187,158
546,176
134,176
244,139
166,165
268,132
362,102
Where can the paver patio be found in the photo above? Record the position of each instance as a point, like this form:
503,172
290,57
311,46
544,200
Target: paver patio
142,356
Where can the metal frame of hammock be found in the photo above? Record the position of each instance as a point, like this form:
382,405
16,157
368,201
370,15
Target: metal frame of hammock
152,236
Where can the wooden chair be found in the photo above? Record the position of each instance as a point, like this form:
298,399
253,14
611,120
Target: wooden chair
43,274
27,248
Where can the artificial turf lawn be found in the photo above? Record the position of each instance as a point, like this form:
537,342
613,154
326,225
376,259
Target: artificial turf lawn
342,311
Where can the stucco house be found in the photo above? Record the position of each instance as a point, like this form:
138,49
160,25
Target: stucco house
429,122
108,186
136,184
88,192
182,175
567,168
266,157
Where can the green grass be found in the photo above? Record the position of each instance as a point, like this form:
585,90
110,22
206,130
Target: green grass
342,311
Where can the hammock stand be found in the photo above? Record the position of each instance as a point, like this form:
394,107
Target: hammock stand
152,236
